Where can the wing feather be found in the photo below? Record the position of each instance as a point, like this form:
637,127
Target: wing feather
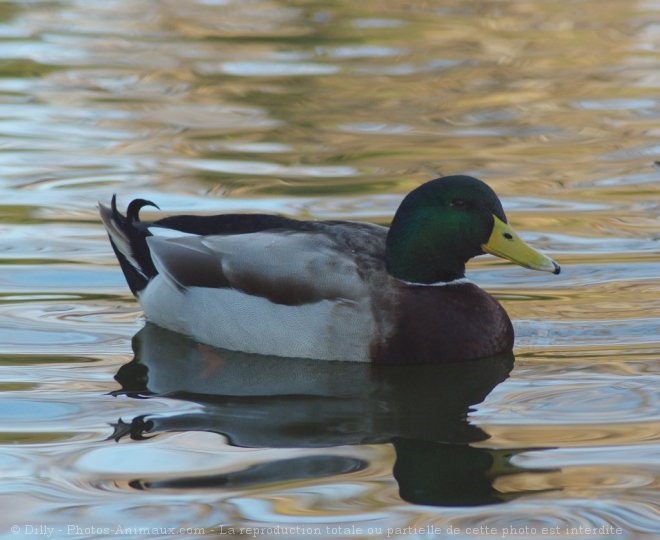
290,268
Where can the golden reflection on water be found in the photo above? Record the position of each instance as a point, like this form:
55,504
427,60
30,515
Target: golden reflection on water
578,435
331,111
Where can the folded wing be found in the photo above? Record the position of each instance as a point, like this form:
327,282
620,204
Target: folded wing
285,267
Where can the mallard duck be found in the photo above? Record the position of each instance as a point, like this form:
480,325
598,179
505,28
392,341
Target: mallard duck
329,290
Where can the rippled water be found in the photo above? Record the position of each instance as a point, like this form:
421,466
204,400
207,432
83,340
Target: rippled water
330,110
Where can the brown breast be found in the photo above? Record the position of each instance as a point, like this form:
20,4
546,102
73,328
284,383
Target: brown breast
443,324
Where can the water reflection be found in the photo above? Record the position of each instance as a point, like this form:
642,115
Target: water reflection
269,402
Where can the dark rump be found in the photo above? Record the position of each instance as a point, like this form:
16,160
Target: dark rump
232,224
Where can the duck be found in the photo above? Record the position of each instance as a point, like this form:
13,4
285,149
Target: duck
329,290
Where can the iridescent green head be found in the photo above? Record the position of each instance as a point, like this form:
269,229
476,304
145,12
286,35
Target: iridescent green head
447,221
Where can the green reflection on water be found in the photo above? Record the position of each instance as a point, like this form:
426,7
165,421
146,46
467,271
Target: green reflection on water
33,359
26,438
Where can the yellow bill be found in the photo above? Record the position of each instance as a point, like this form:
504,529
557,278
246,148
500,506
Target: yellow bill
505,243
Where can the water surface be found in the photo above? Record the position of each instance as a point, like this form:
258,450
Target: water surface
333,111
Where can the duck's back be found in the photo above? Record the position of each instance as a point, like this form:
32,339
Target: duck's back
284,292
256,283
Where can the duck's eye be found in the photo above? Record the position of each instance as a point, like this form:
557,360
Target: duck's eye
460,203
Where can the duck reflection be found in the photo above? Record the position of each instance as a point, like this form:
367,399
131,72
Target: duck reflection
260,401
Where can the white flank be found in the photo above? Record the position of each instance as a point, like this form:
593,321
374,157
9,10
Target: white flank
325,330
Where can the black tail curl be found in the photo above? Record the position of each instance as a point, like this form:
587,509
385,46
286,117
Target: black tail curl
134,207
